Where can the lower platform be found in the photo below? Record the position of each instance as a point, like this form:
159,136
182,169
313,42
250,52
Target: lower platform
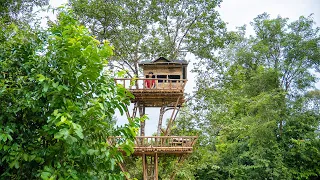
150,145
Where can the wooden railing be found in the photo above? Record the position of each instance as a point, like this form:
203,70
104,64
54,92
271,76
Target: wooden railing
159,141
160,83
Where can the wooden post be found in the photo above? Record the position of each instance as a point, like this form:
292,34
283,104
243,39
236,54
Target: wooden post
171,118
142,110
156,166
123,170
134,111
144,167
160,120
128,114
151,168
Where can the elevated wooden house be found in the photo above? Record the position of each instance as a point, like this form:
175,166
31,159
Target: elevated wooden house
169,79
165,69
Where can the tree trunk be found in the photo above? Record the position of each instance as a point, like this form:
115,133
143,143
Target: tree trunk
160,120
142,110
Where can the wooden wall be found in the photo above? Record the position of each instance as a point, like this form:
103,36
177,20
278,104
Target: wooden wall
164,70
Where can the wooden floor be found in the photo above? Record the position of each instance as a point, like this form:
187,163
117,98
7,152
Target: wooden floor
139,151
158,98
151,145
166,93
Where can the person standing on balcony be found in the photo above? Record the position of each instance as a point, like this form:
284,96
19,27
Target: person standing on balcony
150,83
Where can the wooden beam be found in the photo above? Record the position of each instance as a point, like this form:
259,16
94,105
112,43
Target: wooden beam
128,114
144,166
156,166
162,111
135,108
123,170
142,110
171,118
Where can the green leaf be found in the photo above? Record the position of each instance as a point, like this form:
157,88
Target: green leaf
45,87
112,164
45,175
62,133
25,157
41,77
55,84
92,151
63,120
15,164
70,139
78,130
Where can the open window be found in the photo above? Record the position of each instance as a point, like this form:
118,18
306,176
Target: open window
161,76
174,77
153,76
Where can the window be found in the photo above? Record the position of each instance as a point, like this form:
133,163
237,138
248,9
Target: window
174,77
161,76
153,76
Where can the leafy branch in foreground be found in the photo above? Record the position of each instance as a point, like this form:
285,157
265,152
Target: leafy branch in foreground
57,104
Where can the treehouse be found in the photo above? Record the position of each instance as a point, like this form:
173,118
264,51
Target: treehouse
162,85
167,81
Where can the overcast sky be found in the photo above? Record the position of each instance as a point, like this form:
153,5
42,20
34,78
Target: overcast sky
237,13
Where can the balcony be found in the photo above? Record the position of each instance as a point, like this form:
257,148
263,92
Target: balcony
166,91
161,144
161,84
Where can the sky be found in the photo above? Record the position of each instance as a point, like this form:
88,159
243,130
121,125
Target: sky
236,13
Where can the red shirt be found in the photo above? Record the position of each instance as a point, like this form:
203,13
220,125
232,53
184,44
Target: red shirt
150,83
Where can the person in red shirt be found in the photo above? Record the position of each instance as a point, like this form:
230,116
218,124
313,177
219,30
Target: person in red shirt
150,84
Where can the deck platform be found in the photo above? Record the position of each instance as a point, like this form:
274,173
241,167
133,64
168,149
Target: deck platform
166,91
151,145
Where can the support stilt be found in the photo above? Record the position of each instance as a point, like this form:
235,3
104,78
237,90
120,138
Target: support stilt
128,113
162,111
172,118
150,167
142,110
156,166
123,170
134,112
144,165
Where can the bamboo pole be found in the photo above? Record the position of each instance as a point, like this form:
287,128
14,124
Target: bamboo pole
171,118
123,170
156,166
162,111
144,166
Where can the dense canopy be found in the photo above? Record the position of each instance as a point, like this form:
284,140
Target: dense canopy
255,107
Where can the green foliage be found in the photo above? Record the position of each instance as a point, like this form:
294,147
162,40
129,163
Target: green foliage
254,108
57,104
145,30
12,10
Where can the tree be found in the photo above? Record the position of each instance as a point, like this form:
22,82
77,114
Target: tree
251,103
57,104
11,10
145,30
